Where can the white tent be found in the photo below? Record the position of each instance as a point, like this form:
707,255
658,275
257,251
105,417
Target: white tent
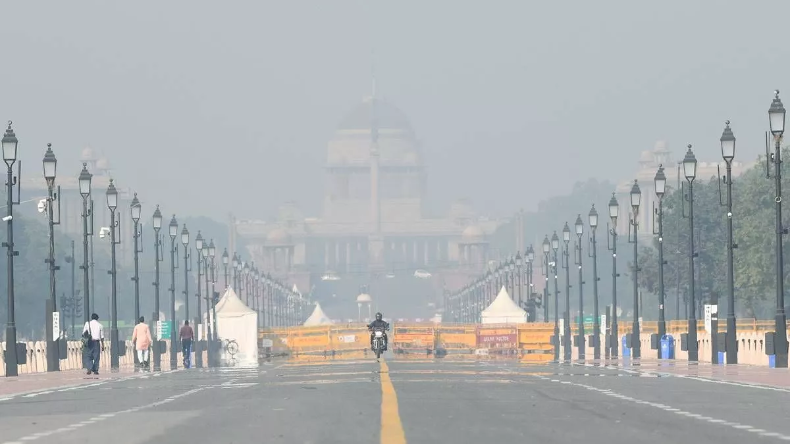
318,317
504,311
237,322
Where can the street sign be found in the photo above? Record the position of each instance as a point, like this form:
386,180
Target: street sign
163,329
710,311
55,325
603,324
267,343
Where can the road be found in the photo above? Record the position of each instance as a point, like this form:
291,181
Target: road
392,402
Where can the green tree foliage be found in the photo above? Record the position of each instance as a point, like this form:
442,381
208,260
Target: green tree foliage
754,233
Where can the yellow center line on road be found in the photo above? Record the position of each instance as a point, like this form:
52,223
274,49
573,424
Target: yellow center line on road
391,427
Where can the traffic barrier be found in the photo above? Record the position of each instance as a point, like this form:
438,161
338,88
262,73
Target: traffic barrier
413,338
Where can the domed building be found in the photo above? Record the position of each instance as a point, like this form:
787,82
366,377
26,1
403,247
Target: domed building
372,221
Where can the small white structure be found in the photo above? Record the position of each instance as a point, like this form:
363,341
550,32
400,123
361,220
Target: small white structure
363,299
504,311
237,323
318,317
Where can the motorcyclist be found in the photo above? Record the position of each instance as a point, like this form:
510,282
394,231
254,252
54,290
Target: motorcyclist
378,323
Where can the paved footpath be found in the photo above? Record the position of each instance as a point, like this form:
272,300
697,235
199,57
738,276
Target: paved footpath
35,384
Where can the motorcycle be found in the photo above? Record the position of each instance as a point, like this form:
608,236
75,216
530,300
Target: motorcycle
378,342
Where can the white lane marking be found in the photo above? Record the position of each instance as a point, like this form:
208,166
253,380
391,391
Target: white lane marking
104,416
697,416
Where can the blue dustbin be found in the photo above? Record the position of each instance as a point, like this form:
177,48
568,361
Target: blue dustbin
626,351
771,361
667,347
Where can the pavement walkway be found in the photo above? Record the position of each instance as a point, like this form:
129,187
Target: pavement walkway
38,382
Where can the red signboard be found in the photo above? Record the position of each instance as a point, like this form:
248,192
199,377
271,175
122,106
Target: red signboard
497,338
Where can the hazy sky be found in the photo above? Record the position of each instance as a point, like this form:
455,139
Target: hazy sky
207,107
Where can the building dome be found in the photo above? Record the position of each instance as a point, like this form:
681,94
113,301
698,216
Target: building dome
278,237
646,157
88,154
364,297
660,147
103,164
473,234
388,116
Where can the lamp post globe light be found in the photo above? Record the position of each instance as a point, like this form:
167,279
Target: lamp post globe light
85,191
555,246
50,164
690,172
580,341
566,254
660,185
173,232
592,219
158,257
614,337
636,199
776,118
112,204
731,340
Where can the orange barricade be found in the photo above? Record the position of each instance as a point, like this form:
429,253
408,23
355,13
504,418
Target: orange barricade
413,338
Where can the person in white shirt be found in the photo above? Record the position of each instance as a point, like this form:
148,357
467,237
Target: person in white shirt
94,335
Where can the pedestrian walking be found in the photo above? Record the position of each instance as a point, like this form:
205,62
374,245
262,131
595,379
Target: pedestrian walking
141,338
187,335
93,338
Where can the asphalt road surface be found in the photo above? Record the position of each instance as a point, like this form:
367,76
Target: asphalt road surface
395,401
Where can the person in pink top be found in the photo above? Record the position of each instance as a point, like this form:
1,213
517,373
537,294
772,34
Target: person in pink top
141,338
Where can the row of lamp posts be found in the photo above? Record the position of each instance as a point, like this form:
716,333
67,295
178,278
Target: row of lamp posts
467,303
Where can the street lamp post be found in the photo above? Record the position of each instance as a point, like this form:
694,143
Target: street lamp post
614,339
555,245
530,260
593,220
660,182
546,271
212,251
731,340
112,204
187,269
776,115
50,169
158,257
636,198
566,254
225,265
690,171
10,144
173,232
136,210
210,320
198,318
85,192
579,226
519,264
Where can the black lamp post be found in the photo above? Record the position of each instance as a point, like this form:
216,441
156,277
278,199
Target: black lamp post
245,273
112,204
731,338
636,199
555,245
210,321
198,318
136,210
158,257
187,269
579,226
614,339
518,264
85,192
225,265
173,232
546,271
690,171
776,115
566,253
530,256
10,143
593,220
50,170
660,182
212,251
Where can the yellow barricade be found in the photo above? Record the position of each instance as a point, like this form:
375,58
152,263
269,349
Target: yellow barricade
410,338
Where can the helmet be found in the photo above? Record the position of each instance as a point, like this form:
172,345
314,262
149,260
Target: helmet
378,316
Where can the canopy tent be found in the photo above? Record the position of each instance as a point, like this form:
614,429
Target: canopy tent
318,317
504,311
237,322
